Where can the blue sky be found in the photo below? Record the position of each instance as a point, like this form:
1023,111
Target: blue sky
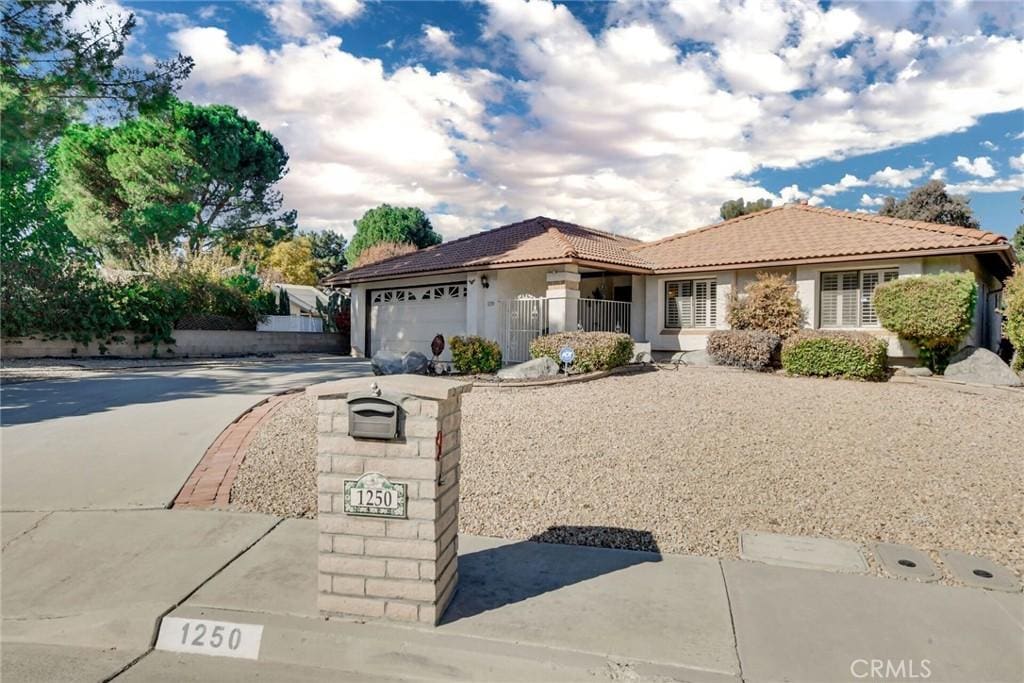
637,117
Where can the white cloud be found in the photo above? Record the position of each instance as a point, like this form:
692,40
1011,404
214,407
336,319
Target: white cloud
301,18
1013,183
439,42
868,200
622,129
1017,163
791,194
938,174
981,166
898,177
988,144
847,182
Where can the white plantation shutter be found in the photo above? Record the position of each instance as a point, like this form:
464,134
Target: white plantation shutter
868,282
846,298
830,299
691,303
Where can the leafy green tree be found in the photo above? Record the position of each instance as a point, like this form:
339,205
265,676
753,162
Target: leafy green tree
1018,243
931,203
735,208
202,175
52,68
292,261
388,223
328,252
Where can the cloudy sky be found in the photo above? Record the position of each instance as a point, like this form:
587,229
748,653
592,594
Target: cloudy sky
637,117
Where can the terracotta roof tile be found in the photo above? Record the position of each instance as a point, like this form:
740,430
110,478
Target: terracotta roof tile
790,233
538,239
796,232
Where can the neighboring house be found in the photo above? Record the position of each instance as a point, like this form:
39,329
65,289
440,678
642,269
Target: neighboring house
538,276
303,315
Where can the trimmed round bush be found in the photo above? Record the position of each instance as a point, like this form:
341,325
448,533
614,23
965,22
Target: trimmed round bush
594,350
475,355
935,312
822,353
1013,314
751,349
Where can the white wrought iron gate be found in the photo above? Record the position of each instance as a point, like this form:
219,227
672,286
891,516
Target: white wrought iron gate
520,321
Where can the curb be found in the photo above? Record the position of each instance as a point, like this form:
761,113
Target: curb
209,485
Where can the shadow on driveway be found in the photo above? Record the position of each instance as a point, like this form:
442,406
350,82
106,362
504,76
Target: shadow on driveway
511,573
31,402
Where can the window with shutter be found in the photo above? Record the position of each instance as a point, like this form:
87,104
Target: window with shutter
690,303
846,298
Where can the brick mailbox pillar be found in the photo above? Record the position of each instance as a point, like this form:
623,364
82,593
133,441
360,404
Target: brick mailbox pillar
388,496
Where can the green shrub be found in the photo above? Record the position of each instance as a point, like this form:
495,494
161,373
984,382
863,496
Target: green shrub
751,349
834,354
1013,315
769,303
935,312
594,350
475,355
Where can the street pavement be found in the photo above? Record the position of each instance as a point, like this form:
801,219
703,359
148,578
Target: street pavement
90,571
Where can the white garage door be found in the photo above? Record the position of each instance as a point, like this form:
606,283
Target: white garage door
407,318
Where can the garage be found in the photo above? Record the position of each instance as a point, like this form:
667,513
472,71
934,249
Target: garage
407,318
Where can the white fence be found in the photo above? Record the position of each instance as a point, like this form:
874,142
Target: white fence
520,321
601,315
290,323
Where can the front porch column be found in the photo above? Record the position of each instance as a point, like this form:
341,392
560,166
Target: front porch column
563,296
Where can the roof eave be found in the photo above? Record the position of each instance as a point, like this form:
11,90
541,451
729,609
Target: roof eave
1002,247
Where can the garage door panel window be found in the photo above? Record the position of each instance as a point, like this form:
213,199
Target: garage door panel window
691,303
846,297
389,296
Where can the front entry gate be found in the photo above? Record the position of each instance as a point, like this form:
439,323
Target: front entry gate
520,321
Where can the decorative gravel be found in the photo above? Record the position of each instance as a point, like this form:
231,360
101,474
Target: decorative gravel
278,475
682,461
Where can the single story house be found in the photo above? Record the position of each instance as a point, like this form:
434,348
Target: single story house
542,275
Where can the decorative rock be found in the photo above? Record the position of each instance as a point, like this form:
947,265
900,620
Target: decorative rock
643,358
390,363
414,363
531,369
981,366
913,372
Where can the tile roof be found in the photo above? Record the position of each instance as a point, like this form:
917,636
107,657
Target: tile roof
797,232
539,239
790,233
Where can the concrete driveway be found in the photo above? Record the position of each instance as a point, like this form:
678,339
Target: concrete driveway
130,438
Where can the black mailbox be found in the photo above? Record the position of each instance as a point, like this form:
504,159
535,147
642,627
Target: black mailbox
372,416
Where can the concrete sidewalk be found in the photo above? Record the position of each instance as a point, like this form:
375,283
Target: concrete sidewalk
84,592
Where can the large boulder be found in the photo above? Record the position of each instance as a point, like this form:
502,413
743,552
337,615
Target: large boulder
538,368
414,363
391,363
981,366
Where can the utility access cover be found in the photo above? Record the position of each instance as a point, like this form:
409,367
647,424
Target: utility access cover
906,562
804,552
979,572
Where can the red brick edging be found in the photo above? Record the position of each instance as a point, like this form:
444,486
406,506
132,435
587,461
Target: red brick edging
209,485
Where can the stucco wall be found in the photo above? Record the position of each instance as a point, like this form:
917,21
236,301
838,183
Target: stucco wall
188,344
807,280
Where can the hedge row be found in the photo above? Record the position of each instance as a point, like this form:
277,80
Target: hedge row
475,355
751,349
594,350
834,354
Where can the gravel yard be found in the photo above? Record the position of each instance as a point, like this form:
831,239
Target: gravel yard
695,456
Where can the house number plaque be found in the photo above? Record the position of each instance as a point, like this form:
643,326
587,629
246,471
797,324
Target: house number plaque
373,495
